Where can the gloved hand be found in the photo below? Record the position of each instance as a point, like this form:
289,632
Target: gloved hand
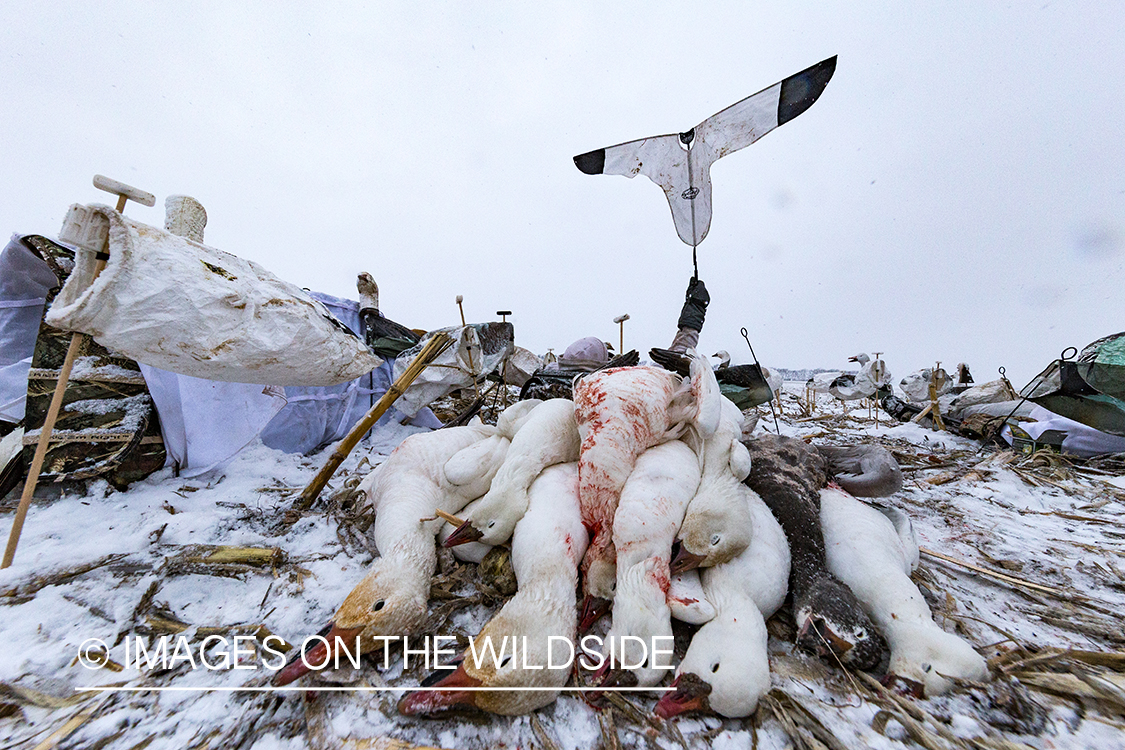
695,305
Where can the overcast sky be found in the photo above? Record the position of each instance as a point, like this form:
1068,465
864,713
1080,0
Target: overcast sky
956,194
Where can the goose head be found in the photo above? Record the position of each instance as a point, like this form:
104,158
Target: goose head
387,603
717,525
504,665
834,626
600,584
712,535
724,359
860,359
928,659
719,673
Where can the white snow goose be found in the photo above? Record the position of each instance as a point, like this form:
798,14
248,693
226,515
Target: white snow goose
648,516
726,667
443,469
621,412
875,557
717,523
549,437
547,545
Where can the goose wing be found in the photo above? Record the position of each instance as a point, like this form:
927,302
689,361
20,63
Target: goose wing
681,163
745,121
686,182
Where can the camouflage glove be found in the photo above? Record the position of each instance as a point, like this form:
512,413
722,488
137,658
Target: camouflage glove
695,306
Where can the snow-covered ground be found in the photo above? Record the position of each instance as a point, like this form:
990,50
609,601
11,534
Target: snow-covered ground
111,565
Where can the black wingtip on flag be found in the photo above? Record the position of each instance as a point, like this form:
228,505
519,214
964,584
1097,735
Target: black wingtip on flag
592,162
798,92
682,166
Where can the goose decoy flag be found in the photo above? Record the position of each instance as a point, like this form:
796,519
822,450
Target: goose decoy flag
681,163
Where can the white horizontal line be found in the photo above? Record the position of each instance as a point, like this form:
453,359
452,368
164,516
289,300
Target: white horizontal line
346,689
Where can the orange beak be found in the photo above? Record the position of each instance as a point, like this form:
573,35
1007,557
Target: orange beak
463,534
690,695
319,656
451,696
683,560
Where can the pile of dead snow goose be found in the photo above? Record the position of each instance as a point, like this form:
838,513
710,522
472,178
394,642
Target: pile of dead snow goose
644,495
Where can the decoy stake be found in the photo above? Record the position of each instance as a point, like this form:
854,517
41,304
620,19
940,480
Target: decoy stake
124,193
620,320
435,346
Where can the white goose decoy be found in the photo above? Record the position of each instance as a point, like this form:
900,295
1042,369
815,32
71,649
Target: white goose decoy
444,469
681,163
916,385
874,557
863,470
547,544
822,381
717,524
648,516
872,375
548,437
621,412
726,667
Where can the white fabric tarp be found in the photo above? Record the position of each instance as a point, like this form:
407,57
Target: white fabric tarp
24,282
205,422
519,366
179,305
459,366
1081,440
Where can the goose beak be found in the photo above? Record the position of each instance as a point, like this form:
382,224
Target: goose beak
463,534
609,675
449,694
822,639
593,607
320,655
682,559
904,686
690,694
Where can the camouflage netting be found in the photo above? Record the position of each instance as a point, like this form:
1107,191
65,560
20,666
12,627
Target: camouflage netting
108,426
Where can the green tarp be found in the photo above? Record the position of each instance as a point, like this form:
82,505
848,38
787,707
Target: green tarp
1089,389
